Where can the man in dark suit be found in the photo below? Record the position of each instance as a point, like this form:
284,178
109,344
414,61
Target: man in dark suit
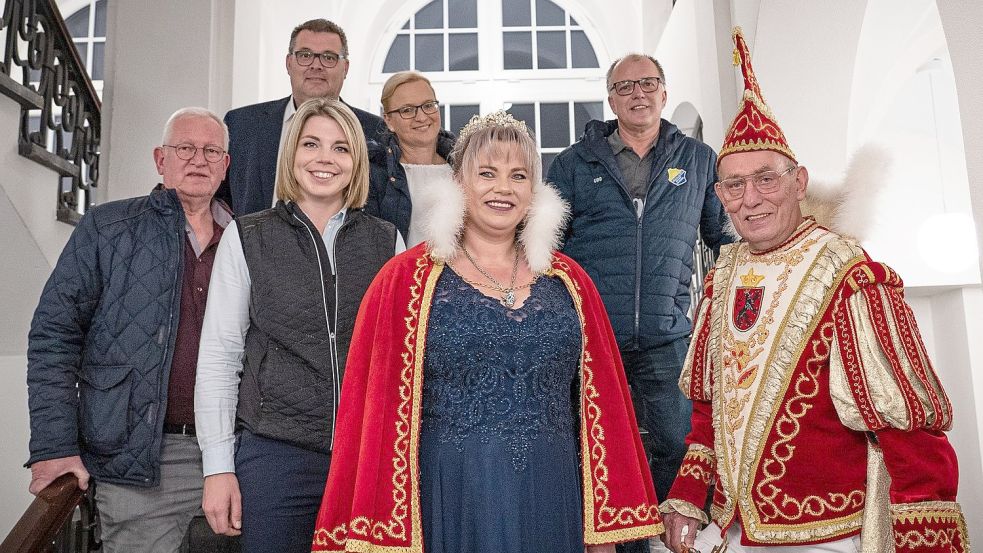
317,63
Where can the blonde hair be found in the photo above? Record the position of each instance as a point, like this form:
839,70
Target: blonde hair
357,191
399,79
494,134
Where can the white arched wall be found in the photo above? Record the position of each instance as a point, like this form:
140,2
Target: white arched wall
962,21
695,53
904,99
805,71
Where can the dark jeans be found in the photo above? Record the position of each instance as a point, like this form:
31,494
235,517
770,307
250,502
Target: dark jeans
663,413
281,488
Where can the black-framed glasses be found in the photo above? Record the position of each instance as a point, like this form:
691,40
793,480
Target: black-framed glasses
764,182
409,112
647,84
328,59
213,154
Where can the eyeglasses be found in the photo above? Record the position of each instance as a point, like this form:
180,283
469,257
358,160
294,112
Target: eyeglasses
647,84
409,112
764,182
213,154
328,59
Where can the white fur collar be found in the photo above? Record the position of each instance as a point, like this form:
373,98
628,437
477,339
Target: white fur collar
540,236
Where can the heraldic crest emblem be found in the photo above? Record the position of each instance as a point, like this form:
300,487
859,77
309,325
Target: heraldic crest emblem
747,300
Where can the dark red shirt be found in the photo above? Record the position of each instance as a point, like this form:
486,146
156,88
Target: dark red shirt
194,294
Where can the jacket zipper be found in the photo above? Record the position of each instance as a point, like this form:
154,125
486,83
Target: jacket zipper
335,363
168,351
327,323
639,205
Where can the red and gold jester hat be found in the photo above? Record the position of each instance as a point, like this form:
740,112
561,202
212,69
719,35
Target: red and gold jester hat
754,128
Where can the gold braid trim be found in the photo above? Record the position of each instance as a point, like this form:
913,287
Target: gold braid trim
592,446
703,453
938,525
814,296
404,479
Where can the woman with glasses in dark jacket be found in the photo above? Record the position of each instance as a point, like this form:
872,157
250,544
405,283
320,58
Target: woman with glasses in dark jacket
407,160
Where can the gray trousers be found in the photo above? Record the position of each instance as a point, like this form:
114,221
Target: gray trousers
154,519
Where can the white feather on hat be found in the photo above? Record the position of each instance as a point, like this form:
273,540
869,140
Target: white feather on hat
845,207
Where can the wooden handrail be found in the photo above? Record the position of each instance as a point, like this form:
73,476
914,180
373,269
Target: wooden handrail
44,518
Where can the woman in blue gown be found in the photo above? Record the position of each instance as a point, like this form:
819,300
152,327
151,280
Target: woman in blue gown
484,407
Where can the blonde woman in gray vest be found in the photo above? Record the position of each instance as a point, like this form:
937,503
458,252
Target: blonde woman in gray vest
285,290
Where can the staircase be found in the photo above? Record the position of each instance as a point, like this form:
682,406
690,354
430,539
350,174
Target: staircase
49,165
60,121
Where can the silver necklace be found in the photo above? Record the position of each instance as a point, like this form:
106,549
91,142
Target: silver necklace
508,294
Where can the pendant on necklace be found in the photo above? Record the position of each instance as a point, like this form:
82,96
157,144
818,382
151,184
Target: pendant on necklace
508,299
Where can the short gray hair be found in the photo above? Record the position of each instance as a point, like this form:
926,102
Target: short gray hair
189,112
634,56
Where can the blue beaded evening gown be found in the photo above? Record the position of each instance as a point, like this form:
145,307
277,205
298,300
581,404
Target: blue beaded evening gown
499,469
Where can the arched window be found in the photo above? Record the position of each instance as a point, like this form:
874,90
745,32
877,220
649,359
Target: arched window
87,25
541,35
532,57
441,36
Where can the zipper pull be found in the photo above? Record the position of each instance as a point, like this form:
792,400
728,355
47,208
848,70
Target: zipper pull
639,207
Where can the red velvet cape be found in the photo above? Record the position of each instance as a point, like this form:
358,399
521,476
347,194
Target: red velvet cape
371,500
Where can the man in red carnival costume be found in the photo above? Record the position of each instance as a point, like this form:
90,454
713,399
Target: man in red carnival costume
372,497
816,411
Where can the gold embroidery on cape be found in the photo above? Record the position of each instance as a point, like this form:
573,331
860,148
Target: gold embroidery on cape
404,477
592,448
814,294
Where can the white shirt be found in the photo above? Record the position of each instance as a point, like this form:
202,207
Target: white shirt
417,177
223,336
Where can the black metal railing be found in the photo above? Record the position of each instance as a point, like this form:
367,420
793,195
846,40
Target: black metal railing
60,124
703,260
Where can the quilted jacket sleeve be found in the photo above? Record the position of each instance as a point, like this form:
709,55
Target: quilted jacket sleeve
713,219
56,339
561,176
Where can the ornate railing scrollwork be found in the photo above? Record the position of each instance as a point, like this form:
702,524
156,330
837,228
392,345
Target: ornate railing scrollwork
56,96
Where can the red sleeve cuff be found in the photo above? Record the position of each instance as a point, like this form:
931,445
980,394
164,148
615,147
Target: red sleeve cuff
929,527
695,475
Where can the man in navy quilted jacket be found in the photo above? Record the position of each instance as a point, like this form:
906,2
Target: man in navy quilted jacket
640,191
114,345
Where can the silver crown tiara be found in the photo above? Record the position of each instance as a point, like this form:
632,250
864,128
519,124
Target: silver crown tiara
500,118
